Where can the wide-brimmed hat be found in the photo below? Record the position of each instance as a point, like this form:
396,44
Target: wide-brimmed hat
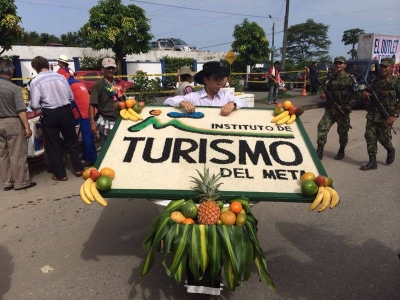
108,62
64,59
186,70
212,68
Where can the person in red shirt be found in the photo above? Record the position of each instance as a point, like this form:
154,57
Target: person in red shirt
82,100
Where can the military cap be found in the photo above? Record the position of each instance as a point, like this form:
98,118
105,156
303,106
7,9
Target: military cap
387,61
340,58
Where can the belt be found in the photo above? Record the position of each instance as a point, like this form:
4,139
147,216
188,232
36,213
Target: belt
8,117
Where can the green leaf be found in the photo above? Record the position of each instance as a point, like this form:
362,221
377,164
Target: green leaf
181,268
226,239
179,247
168,240
231,278
173,205
150,234
214,251
261,264
198,258
148,261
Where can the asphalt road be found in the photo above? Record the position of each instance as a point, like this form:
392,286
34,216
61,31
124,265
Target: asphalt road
349,252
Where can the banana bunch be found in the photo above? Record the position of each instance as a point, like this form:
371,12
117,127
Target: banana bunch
326,197
89,193
284,118
129,113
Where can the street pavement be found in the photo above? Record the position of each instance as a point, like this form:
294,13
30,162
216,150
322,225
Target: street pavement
349,252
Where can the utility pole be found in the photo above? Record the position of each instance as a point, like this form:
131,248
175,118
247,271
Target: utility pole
273,39
285,35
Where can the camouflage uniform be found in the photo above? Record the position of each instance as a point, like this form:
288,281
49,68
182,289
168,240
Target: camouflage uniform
388,92
344,90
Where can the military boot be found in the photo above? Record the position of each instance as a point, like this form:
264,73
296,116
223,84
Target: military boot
371,165
320,151
390,155
340,154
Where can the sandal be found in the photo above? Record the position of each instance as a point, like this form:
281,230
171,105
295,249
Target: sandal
54,177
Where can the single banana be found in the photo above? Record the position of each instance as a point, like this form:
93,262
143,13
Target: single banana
86,189
326,200
83,196
335,197
292,119
280,116
283,121
97,195
123,113
317,199
134,113
130,116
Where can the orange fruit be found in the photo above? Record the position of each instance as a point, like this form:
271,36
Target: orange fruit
188,221
103,183
307,176
235,207
130,102
228,218
108,172
287,104
241,219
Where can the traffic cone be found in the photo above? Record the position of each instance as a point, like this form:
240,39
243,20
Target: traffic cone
304,91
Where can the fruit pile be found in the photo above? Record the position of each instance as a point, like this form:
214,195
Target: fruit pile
130,109
286,113
230,214
95,181
321,186
206,238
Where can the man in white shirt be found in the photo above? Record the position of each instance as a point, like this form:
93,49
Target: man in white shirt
212,77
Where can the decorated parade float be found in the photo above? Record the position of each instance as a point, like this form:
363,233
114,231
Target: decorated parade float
213,170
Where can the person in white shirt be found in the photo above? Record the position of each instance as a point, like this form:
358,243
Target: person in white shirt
187,77
212,77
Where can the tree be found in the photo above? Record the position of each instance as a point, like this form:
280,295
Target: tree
74,39
307,42
250,42
124,29
10,30
350,37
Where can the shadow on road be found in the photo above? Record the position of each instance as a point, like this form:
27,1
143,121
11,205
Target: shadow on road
6,270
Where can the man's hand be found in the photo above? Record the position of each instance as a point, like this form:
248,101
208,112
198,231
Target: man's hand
93,128
187,106
28,133
366,95
227,108
389,121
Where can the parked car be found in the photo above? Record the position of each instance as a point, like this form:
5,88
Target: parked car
179,45
161,45
91,76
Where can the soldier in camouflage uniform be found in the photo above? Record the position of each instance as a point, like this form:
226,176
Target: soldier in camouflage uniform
387,89
343,88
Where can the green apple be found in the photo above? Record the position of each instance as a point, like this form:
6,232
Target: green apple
278,110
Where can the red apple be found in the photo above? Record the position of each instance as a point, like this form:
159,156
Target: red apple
292,110
142,103
320,180
278,104
121,104
94,174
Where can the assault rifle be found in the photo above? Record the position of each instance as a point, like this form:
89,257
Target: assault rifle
332,101
376,102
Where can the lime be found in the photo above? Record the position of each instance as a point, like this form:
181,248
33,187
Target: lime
241,219
189,209
137,108
220,204
308,187
103,183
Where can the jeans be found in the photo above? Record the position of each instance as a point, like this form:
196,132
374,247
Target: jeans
273,89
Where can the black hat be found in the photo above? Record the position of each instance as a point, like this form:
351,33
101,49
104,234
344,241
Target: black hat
277,62
211,68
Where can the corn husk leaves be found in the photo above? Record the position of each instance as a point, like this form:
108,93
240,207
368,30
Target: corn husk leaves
210,247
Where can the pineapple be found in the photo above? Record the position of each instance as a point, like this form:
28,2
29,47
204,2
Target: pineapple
208,211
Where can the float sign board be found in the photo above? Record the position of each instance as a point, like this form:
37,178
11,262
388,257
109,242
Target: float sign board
156,157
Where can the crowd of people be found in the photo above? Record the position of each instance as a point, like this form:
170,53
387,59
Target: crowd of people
65,103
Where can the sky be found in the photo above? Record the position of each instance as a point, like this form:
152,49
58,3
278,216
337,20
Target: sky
209,24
